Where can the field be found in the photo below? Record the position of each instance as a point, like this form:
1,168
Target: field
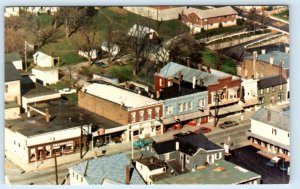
284,15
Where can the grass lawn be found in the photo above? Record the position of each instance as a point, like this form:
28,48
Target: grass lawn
284,15
219,31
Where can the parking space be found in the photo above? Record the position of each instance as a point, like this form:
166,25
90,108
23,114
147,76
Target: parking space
248,158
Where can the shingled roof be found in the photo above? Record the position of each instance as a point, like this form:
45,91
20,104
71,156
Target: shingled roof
211,13
271,81
11,73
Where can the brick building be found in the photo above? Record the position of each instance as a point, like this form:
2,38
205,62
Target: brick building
197,19
141,114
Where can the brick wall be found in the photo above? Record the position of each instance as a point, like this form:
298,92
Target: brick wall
193,18
103,107
263,69
157,85
145,109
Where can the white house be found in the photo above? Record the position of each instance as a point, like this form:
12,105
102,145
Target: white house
107,170
46,76
43,60
270,132
150,166
114,49
142,32
249,98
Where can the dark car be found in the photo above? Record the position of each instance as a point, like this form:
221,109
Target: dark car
227,124
100,64
202,130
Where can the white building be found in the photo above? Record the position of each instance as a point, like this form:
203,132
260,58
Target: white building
46,76
107,170
43,60
142,32
92,54
12,92
150,166
113,50
249,98
160,13
270,132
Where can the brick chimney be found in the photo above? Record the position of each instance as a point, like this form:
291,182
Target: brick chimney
269,115
47,115
127,174
254,64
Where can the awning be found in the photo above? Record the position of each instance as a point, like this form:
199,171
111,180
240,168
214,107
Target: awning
185,117
228,110
250,102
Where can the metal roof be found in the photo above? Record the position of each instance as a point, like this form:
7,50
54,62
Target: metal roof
279,120
119,95
211,13
277,57
110,168
172,69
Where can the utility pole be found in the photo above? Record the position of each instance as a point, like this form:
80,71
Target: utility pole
56,175
81,141
216,108
26,56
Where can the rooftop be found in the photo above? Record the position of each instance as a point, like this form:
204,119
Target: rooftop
119,95
30,90
222,172
40,55
272,81
172,69
164,147
164,7
63,116
278,56
108,168
278,119
140,31
11,73
211,13
152,163
12,57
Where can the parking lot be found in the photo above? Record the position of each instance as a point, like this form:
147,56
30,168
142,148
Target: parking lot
248,158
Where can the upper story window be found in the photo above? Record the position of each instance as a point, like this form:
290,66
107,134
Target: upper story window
202,103
280,87
180,107
160,82
268,90
157,113
190,105
169,110
274,131
225,16
185,106
141,113
133,117
149,111
273,89
261,91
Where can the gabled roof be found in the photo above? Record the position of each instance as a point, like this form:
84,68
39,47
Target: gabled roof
109,168
271,82
211,13
40,55
12,57
172,69
140,31
280,120
11,73
164,147
277,55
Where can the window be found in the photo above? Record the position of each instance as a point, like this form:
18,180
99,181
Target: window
225,22
141,167
76,177
225,16
169,83
288,134
280,96
169,110
273,89
133,114
149,111
211,24
73,174
180,107
190,105
135,133
19,145
280,87
261,91
187,159
185,106
274,131
268,90
261,100
160,82
141,115
202,103
156,113
81,179
6,88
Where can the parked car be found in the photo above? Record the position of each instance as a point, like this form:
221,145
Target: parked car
284,166
141,143
67,91
202,130
227,124
274,161
100,64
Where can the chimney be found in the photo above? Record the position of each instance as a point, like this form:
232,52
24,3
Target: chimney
254,64
158,94
179,76
194,82
272,59
126,85
177,145
199,66
127,174
47,115
269,115
158,69
28,112
287,50
263,51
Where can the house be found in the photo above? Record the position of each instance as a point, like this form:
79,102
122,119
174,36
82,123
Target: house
249,96
107,170
93,54
197,19
51,128
140,114
12,94
113,49
142,32
15,59
192,159
43,60
227,86
270,132
159,13
272,90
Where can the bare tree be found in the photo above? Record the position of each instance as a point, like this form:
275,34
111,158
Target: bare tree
14,40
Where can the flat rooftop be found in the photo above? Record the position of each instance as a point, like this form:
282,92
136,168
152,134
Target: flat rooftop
31,90
118,95
222,172
63,116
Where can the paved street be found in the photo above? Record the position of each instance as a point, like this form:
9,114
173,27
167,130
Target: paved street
248,158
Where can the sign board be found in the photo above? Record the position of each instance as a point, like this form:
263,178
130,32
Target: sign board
99,132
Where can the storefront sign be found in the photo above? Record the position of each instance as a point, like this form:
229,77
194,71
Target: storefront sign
63,143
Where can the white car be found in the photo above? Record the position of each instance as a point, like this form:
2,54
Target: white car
67,91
